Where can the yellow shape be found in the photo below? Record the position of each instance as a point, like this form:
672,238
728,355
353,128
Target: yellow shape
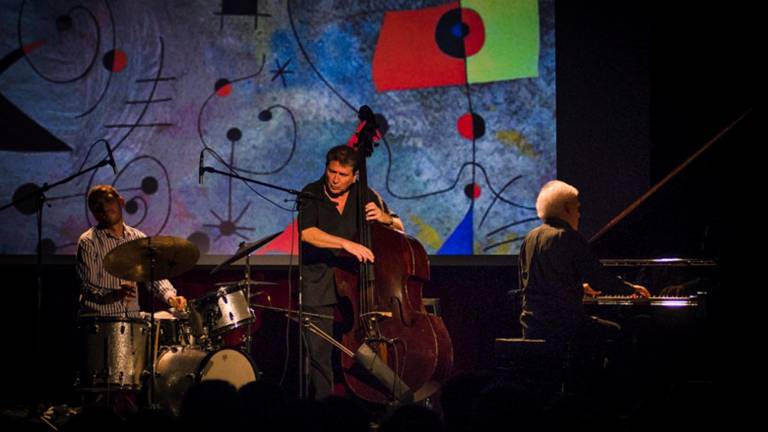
425,233
517,140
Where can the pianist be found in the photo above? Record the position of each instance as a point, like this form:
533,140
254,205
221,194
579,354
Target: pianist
557,268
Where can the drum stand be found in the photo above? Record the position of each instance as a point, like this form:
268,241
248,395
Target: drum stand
304,371
247,340
152,351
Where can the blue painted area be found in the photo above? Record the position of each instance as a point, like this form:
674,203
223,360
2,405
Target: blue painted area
461,240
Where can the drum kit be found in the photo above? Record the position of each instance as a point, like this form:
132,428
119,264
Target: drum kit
167,353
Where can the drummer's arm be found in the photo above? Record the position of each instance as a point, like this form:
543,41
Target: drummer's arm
166,290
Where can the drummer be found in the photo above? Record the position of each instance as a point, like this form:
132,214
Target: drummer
103,294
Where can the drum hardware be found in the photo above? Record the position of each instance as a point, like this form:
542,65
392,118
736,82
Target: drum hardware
181,367
220,311
151,259
148,260
290,312
113,353
245,250
35,197
174,329
242,283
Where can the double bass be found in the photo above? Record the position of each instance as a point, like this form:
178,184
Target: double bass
401,349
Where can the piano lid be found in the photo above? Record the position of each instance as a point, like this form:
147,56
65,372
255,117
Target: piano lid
681,215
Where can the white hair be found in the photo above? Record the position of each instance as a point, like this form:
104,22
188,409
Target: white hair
553,197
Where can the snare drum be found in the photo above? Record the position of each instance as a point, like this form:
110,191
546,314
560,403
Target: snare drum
113,353
220,311
179,368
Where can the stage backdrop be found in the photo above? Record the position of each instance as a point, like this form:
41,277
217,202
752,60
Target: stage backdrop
466,91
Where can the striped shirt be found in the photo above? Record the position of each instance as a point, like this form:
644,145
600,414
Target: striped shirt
99,294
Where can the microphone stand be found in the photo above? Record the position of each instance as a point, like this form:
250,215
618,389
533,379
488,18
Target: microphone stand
303,367
40,202
153,331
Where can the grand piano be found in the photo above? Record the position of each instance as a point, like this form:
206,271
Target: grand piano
668,240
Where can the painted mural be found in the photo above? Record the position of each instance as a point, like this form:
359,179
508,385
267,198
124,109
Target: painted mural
464,93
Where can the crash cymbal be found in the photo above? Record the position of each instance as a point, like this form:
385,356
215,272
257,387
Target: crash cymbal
134,260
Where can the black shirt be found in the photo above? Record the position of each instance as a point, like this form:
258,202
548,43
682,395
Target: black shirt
319,263
554,262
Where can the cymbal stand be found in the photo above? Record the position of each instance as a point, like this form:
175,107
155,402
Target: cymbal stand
304,370
248,299
40,201
152,330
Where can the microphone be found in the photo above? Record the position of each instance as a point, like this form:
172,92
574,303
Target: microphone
111,158
200,170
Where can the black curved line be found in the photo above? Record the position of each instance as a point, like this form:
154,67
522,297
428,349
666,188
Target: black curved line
254,75
312,65
437,192
519,222
488,210
109,76
200,121
87,69
210,96
290,155
88,153
207,148
424,195
471,113
146,209
473,163
495,245
248,185
497,194
120,173
90,180
167,180
151,96
63,197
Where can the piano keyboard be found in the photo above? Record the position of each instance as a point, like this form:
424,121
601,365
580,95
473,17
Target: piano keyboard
663,301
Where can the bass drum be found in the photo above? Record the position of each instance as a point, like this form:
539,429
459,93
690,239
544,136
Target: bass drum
180,367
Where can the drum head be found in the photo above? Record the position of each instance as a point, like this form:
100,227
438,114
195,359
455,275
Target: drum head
85,319
179,369
228,365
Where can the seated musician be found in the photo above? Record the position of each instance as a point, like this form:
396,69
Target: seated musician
328,225
557,269
103,294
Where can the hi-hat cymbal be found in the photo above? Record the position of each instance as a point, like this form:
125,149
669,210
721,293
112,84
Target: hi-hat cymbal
151,258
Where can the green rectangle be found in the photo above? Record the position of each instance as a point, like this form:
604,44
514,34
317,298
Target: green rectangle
511,48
